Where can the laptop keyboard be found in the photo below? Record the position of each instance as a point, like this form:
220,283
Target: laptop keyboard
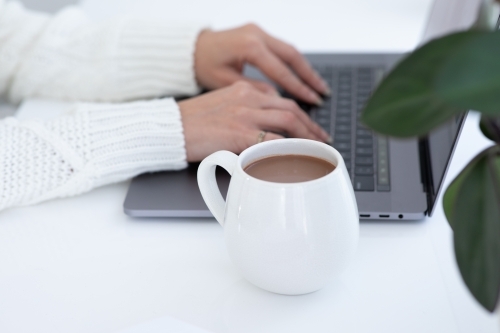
366,155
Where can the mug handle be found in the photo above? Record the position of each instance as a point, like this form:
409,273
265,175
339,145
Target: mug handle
208,184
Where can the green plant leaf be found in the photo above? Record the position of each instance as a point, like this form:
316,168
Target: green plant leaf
472,205
450,196
470,77
490,126
405,103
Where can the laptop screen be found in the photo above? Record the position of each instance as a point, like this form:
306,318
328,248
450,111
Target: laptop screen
441,143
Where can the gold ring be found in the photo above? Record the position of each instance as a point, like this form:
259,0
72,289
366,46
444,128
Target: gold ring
261,136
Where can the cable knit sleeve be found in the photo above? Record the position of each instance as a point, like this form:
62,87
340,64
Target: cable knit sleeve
68,57
94,145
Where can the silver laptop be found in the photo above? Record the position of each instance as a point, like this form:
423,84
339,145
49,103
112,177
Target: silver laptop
393,179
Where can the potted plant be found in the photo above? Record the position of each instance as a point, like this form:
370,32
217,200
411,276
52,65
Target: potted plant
438,81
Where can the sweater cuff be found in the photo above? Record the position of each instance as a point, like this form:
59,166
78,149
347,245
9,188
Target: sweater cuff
156,59
133,138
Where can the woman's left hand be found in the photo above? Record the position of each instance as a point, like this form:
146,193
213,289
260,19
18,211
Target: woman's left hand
220,58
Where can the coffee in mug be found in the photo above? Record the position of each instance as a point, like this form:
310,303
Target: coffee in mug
294,231
289,168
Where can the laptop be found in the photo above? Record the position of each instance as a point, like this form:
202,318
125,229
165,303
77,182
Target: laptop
393,179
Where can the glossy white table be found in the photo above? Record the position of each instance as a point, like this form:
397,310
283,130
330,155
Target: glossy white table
81,265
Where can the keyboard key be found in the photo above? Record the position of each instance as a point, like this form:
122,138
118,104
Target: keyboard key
344,120
363,171
323,121
346,153
364,183
326,128
383,173
364,94
363,133
362,151
344,137
323,112
383,178
362,160
342,129
364,142
364,89
326,75
344,103
342,145
344,111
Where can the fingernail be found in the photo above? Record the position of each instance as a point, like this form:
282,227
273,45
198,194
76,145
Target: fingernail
327,91
329,140
315,97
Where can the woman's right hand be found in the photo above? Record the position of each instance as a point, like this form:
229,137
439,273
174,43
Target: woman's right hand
232,118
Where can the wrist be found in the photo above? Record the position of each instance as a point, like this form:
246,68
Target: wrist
201,58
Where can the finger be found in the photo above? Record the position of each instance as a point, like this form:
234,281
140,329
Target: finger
311,125
298,63
264,87
250,97
280,121
230,77
272,136
269,102
269,136
276,70
253,137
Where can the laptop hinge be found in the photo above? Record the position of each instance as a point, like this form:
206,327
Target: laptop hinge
425,171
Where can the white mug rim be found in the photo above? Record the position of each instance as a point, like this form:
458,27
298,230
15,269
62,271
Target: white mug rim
280,141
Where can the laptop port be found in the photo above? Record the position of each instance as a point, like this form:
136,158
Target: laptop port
364,215
384,216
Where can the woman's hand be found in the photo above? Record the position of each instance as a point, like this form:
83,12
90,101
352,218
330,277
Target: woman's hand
220,58
232,118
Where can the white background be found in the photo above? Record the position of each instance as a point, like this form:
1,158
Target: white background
312,25
81,265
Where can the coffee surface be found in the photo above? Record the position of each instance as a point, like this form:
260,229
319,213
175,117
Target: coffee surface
289,168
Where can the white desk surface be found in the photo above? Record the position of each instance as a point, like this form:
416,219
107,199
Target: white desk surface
81,265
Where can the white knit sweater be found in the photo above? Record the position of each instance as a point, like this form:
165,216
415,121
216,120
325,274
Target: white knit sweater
68,57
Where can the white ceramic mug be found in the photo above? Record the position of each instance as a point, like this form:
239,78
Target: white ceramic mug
287,238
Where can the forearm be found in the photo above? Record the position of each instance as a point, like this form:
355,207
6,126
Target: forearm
68,57
96,144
